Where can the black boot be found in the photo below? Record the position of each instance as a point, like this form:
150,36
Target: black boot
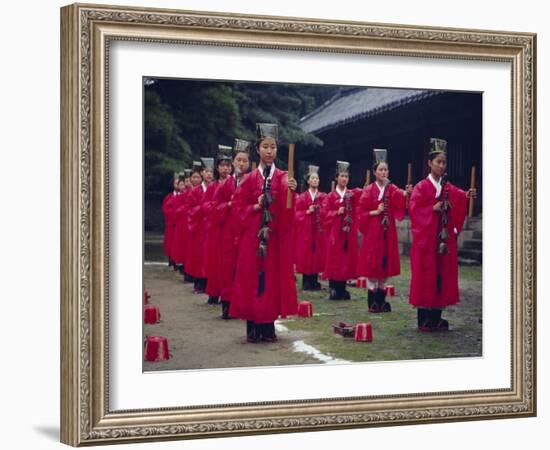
371,299
438,323
213,300
187,278
180,268
383,305
343,294
424,320
252,332
333,294
225,310
315,285
306,283
268,332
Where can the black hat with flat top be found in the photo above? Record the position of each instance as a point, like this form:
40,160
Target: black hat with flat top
208,163
438,145
267,131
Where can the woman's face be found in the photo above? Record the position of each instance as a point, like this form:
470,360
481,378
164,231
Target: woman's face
175,184
343,179
207,174
187,182
438,165
267,149
313,181
195,179
224,169
181,186
382,172
241,163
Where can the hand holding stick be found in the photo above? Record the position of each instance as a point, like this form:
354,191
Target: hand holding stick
290,174
472,186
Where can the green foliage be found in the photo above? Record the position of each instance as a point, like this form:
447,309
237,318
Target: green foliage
186,119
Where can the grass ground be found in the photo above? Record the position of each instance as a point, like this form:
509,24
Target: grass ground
395,334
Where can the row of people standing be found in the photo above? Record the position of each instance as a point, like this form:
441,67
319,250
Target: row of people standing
241,229
328,226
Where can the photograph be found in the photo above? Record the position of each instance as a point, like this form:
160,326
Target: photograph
291,223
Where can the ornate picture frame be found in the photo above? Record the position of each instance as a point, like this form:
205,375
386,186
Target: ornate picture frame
87,31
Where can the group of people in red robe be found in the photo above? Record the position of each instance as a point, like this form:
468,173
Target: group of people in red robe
241,235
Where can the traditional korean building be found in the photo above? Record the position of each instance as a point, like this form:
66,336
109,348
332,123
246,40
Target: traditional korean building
356,120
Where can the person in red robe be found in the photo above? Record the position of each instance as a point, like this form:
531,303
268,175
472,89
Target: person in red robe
179,245
168,213
437,209
264,287
190,204
381,204
309,236
212,252
224,218
339,215
197,230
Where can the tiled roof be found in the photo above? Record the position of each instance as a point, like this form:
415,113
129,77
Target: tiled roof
354,104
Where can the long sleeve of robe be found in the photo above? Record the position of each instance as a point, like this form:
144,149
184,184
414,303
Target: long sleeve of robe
167,212
196,234
309,236
342,248
180,229
374,247
216,247
279,296
223,219
427,266
209,244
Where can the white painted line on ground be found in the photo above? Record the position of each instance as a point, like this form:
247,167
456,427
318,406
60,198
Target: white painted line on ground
155,263
301,346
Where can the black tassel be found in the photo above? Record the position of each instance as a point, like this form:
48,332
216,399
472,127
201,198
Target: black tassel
346,245
384,261
261,283
439,283
313,247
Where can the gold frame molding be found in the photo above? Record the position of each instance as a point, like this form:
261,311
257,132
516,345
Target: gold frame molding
86,31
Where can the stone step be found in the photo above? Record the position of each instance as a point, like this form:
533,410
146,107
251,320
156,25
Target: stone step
474,224
472,244
471,254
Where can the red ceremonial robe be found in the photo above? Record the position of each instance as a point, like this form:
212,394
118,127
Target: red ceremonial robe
212,244
223,221
373,245
197,234
168,213
426,264
279,295
342,248
180,228
309,236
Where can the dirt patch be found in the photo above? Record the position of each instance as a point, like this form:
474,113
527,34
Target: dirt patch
197,336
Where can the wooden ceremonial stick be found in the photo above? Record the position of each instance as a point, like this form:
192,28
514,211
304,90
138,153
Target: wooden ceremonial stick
290,174
409,178
332,186
472,186
367,178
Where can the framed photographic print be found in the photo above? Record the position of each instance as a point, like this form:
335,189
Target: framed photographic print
156,103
